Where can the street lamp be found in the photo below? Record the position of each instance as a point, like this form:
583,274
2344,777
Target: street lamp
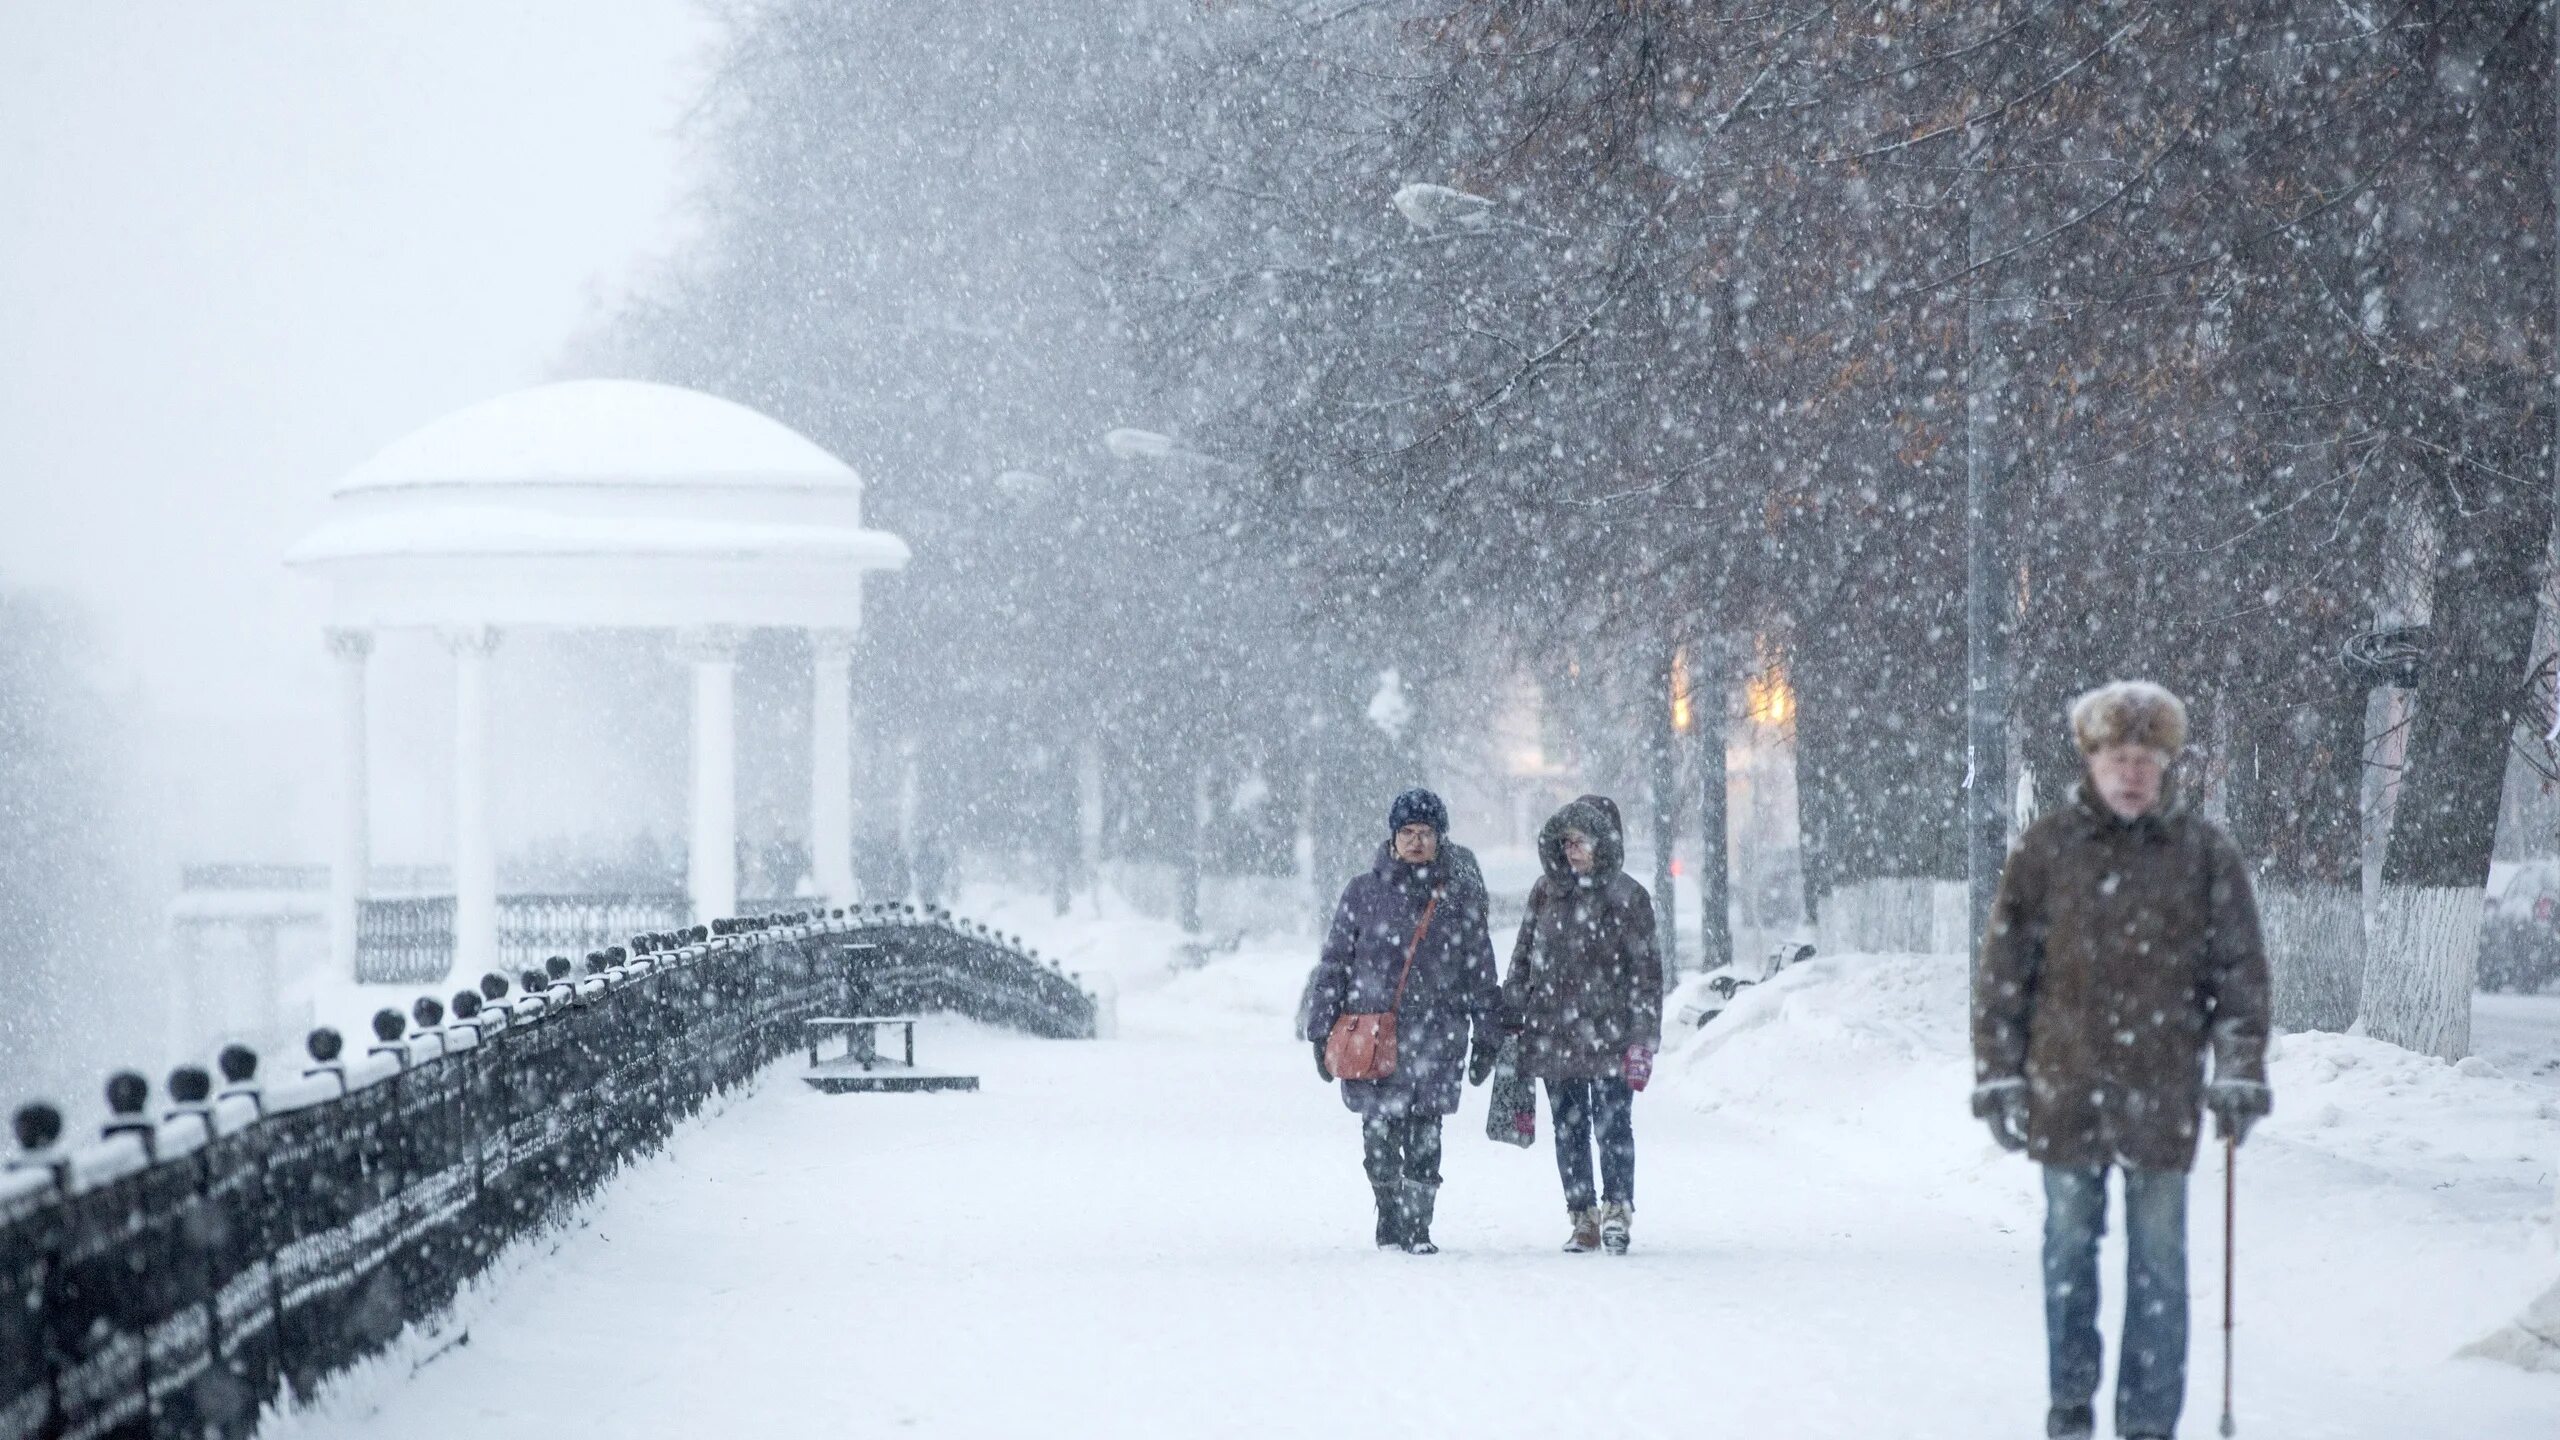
1130,443
1433,208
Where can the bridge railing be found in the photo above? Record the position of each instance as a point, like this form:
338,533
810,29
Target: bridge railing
180,1273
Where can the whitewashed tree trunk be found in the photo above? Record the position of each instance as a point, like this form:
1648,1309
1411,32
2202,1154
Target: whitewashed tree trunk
2315,946
2418,974
1889,915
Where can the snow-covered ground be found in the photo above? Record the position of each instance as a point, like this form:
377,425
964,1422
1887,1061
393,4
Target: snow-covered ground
1166,1234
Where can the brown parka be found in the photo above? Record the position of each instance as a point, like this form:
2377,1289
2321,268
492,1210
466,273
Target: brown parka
1585,980
2118,954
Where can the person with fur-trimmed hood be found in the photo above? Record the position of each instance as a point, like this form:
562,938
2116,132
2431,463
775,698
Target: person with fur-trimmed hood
1584,996
2123,950
1419,908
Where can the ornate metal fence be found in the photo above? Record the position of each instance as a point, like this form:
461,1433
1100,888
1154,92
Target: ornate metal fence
180,1273
533,926
404,941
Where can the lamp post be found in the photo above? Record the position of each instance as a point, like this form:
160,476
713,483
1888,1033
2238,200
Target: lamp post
1133,444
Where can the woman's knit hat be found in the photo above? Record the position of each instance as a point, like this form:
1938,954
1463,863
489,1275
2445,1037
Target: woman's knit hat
1418,807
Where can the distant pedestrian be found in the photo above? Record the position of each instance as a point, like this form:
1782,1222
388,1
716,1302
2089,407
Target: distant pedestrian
1584,996
1408,939
2123,950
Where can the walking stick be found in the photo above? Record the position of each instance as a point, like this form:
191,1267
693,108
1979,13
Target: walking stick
2230,1226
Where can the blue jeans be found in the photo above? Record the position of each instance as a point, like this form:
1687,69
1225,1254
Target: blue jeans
2151,1365
1581,1107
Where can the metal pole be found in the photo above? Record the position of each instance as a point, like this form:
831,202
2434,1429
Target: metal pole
1988,588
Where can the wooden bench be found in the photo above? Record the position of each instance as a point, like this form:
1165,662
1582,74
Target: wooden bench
861,1068
861,1036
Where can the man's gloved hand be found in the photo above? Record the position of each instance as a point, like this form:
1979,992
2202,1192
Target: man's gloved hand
1322,1068
1481,1057
2003,1105
1638,1066
2237,1105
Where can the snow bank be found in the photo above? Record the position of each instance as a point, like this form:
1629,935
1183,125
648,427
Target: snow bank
1868,1057
2411,1116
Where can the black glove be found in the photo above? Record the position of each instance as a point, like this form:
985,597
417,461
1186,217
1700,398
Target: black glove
2002,1104
1322,1068
1481,1058
2236,1106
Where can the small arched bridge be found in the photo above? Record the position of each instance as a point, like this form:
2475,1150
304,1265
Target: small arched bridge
179,1274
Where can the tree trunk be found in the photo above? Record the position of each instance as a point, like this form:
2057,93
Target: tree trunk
1880,768
2419,975
1710,702
2294,793
1662,781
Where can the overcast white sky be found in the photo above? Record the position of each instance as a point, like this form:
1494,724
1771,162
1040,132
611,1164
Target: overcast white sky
244,244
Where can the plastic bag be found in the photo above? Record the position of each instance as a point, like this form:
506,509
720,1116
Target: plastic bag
1512,1118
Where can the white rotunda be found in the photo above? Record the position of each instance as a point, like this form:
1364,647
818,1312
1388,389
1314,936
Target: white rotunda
590,504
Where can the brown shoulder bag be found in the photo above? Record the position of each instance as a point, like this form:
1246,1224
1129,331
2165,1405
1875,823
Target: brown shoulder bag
1363,1047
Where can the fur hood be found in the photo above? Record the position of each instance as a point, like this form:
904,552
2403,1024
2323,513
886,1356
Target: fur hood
1588,815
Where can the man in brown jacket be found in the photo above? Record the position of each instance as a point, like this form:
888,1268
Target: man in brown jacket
2123,947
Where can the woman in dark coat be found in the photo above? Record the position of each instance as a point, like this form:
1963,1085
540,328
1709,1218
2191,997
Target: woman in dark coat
1447,1007
1584,995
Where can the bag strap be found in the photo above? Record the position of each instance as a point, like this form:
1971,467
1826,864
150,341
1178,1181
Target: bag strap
1418,931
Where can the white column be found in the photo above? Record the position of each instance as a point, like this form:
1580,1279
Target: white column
831,765
351,858
475,855
711,860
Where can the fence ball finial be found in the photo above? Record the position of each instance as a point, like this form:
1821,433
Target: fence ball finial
556,966
324,1044
190,1085
38,1125
701,933
466,1004
389,1024
428,1012
534,982
615,955
127,1092
493,986
238,1063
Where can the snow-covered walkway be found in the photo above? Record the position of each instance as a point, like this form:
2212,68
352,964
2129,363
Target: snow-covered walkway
1166,1234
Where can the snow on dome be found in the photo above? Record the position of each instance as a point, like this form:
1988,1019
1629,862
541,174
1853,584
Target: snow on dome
601,432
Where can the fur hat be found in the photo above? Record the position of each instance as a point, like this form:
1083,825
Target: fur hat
1418,807
2129,712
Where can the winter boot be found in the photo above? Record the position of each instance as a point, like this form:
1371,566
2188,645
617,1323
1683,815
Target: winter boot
2070,1422
1614,1216
1586,1232
1391,1221
1419,1201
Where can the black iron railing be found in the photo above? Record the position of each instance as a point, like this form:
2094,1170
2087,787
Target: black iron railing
176,1275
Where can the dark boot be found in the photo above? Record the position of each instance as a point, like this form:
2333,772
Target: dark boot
1420,1199
1391,1217
2071,1422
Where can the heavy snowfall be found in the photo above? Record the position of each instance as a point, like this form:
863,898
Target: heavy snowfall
1130,717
